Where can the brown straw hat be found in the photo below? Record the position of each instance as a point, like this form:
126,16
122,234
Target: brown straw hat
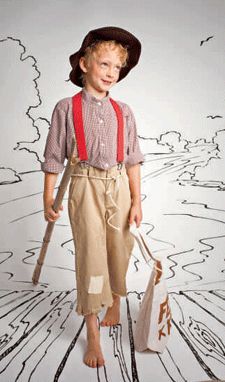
122,36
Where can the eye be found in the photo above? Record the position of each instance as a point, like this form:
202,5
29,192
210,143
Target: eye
104,64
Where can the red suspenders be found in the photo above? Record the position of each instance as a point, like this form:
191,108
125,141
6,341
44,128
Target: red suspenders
79,128
119,130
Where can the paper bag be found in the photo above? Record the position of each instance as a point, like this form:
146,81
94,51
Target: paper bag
153,325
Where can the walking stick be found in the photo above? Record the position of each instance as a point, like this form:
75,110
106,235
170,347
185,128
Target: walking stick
72,161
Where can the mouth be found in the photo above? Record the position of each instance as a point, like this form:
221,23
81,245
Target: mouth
107,82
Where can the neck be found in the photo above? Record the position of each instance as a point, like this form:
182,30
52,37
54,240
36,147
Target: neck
95,93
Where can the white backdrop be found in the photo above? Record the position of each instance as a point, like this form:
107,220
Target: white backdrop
177,95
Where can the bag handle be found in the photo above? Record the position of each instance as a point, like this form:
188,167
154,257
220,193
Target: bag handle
144,247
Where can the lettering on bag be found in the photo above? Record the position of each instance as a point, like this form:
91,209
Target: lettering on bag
164,311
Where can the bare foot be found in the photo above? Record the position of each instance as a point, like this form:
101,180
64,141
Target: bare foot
93,356
112,316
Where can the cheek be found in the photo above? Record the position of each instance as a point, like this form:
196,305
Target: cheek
98,72
117,76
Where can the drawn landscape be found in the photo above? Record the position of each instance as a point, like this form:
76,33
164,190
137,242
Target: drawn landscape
183,185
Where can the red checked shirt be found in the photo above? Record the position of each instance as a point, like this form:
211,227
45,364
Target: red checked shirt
100,129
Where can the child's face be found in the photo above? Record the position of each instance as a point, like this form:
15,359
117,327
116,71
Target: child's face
103,70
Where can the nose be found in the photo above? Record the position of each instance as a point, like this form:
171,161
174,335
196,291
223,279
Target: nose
110,72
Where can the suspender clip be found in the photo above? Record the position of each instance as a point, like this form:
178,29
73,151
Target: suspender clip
84,164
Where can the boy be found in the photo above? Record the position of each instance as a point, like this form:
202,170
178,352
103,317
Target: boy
104,195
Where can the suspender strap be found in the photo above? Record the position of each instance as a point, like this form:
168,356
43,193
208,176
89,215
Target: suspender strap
79,128
120,134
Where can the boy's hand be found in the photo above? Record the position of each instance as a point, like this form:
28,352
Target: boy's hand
135,214
49,214
134,176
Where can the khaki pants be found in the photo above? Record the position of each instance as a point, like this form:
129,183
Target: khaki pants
98,212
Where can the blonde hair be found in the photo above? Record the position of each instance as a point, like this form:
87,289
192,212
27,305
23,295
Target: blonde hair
100,45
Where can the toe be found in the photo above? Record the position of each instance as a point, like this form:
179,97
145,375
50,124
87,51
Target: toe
89,362
86,362
101,362
101,359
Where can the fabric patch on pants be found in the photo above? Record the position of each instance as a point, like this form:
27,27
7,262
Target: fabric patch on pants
96,284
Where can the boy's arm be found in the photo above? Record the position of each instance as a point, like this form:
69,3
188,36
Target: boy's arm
133,168
134,176
48,199
53,164
56,145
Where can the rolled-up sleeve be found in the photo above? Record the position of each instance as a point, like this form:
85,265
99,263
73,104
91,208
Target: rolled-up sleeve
55,147
134,154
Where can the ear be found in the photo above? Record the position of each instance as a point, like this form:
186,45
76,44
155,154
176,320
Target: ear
82,64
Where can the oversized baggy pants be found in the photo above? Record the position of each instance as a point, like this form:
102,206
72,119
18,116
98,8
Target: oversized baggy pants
99,202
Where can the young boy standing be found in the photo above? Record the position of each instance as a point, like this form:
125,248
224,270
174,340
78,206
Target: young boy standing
104,192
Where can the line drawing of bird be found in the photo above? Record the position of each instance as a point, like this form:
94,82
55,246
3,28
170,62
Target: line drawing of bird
208,38
214,116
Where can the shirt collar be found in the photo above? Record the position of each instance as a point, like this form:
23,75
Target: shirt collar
91,98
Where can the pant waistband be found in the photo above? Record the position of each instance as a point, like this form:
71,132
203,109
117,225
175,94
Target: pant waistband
94,171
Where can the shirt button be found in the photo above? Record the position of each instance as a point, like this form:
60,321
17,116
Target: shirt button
99,103
106,165
100,120
102,144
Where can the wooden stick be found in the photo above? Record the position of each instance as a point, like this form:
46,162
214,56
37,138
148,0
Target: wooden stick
72,161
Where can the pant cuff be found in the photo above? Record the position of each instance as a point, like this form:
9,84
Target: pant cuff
82,311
